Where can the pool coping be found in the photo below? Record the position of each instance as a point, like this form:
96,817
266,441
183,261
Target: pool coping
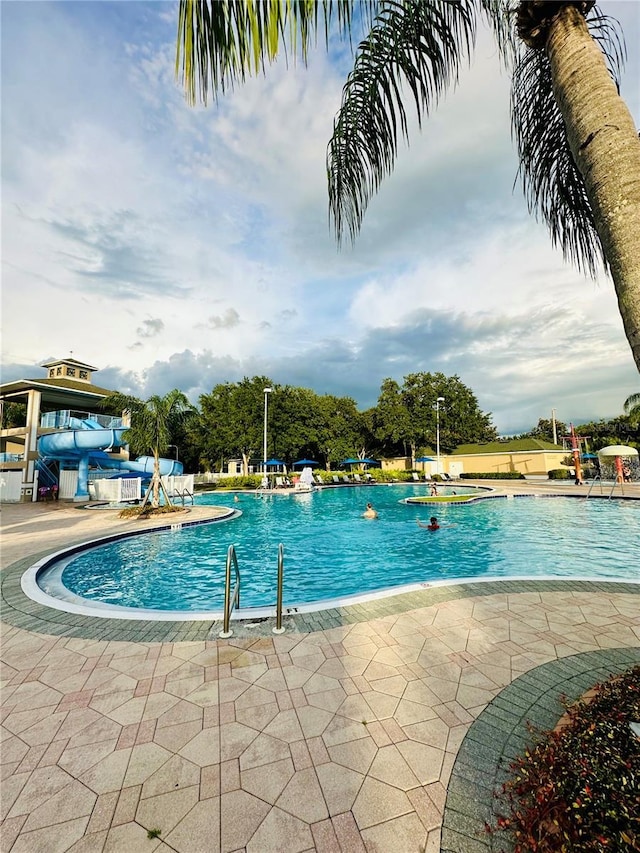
21,611
253,617
501,732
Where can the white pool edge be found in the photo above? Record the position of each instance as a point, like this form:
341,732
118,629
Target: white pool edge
81,607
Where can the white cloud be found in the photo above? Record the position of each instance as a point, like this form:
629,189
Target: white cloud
181,247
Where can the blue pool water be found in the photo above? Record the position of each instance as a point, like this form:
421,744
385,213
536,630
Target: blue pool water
331,551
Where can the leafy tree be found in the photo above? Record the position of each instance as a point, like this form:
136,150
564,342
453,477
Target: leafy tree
576,140
295,423
186,438
391,419
544,430
405,417
461,420
150,430
13,415
341,430
620,430
369,446
232,420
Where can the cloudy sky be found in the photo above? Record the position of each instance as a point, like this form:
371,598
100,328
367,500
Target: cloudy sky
180,247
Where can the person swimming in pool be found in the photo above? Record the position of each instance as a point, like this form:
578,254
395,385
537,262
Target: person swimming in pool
369,512
434,524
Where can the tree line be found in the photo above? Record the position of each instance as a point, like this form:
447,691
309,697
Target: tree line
228,423
301,424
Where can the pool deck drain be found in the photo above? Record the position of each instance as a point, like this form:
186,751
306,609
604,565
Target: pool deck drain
354,731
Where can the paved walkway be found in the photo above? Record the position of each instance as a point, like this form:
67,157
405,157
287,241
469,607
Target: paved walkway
342,739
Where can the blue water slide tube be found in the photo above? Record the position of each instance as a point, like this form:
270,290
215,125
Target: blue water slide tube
87,446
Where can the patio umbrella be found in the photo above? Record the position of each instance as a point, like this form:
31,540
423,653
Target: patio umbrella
425,459
351,461
305,462
368,461
589,456
618,450
273,462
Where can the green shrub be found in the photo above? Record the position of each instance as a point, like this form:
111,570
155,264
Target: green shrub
493,475
559,474
251,481
577,789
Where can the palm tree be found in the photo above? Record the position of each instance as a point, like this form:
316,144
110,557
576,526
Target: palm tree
150,430
632,407
577,143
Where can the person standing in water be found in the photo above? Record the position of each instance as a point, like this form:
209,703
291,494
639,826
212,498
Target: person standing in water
369,512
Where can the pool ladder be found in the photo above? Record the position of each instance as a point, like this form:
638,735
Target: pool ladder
599,480
233,600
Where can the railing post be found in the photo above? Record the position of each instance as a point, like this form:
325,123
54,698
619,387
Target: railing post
226,633
279,629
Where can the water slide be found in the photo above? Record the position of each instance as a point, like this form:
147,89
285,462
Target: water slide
86,443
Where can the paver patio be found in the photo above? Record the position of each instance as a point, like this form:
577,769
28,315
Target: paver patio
341,739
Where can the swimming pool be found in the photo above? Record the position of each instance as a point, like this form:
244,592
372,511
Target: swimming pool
331,552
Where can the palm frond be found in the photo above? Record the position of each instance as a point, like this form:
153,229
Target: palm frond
501,15
632,405
220,42
420,45
552,184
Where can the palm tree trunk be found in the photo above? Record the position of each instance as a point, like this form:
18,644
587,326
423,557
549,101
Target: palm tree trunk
156,479
605,146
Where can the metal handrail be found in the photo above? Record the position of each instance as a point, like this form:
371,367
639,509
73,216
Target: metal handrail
279,629
230,601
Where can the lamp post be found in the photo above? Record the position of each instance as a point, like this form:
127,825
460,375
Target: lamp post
438,401
267,391
175,447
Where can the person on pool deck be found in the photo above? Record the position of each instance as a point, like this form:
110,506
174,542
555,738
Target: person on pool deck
369,512
434,489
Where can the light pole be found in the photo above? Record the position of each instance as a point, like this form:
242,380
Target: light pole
175,447
438,401
267,391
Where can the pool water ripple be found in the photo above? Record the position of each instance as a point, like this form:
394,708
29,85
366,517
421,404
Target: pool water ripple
332,552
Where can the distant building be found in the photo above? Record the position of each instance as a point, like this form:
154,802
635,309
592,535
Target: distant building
528,456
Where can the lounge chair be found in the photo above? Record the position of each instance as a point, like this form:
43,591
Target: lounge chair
319,479
356,478
415,476
446,477
335,479
345,478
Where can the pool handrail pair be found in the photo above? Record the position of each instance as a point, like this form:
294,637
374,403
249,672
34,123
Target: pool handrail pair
231,601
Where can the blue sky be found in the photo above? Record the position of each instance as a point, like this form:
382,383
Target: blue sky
181,247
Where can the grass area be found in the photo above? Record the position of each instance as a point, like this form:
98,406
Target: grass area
443,499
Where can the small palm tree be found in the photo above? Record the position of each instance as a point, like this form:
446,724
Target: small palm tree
576,139
150,429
